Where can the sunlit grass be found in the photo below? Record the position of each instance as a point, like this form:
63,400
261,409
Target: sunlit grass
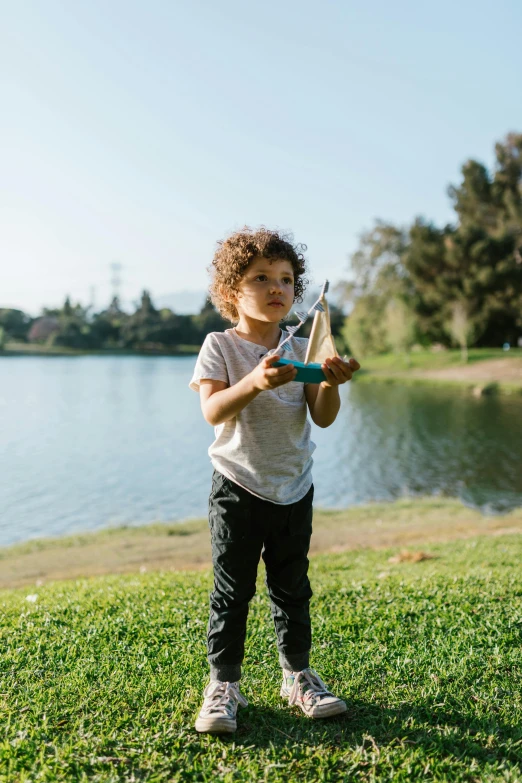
429,360
100,679
421,367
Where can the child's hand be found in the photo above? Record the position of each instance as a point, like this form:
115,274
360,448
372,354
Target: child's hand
264,376
338,371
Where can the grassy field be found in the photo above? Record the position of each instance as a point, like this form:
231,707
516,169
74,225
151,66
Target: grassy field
429,360
488,370
100,679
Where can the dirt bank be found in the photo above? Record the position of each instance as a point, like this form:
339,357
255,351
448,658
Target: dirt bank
174,546
490,371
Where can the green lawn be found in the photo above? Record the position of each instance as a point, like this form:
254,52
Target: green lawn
489,370
428,360
100,679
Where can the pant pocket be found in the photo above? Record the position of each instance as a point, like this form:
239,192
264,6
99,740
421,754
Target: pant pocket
217,482
301,516
229,512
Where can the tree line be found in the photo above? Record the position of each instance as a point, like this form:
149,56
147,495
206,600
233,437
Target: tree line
456,285
147,329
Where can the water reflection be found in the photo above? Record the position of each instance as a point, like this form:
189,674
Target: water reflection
91,441
396,440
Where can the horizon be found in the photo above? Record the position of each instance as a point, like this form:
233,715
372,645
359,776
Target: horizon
193,304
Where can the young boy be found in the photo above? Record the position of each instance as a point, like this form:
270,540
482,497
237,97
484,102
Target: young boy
260,504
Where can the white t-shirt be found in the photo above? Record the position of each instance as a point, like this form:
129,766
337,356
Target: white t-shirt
266,448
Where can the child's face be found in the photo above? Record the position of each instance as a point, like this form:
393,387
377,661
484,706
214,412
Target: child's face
266,291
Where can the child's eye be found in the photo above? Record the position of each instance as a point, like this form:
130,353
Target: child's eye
260,277
288,280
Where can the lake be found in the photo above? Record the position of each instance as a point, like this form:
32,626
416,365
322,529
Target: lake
97,441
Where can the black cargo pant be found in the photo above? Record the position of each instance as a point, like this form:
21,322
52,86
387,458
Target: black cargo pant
244,528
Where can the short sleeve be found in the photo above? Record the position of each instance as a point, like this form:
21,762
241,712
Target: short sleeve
210,363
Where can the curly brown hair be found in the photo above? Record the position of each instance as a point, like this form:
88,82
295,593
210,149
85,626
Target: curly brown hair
235,253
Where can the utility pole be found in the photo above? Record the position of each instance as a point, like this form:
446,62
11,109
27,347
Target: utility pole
116,268
92,298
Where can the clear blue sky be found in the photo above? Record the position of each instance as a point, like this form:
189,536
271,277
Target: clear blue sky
144,131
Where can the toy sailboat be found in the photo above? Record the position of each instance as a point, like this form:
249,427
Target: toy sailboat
321,344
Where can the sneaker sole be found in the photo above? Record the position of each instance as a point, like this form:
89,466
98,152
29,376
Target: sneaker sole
328,711
215,725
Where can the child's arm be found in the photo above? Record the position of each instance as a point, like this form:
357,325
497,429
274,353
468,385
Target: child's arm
323,398
220,402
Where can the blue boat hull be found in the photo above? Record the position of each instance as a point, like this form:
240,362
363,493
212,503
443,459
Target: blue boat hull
306,373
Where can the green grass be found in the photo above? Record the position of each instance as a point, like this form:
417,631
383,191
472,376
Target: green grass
427,360
413,369
411,380
101,679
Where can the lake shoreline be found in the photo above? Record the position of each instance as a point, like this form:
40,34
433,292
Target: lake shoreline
478,389
179,546
496,374
25,349
499,373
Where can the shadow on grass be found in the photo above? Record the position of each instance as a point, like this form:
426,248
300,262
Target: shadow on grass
438,731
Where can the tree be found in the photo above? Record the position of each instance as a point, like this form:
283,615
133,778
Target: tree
490,226
139,328
461,327
149,328
74,330
465,264
42,329
364,332
425,264
376,266
208,320
493,201
400,326
478,260
15,323
106,325
378,276
474,199
489,279
507,186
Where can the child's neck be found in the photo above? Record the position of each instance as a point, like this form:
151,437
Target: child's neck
260,332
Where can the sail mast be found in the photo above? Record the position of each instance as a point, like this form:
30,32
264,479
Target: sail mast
317,307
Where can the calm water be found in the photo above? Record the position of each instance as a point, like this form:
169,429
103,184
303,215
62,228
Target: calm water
88,442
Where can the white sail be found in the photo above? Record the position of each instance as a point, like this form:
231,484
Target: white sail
321,344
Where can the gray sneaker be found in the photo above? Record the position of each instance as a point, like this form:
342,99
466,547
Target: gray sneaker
218,713
306,690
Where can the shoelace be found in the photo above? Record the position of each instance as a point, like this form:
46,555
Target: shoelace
222,693
316,686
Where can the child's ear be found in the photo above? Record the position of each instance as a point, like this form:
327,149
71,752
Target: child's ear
223,293
229,295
